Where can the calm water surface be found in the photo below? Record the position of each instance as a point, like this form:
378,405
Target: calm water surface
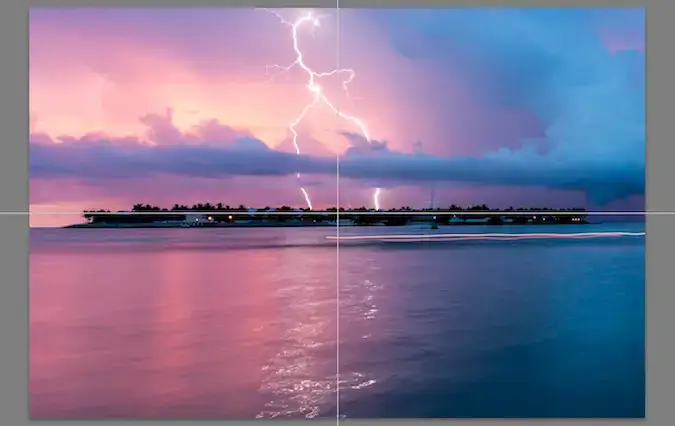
242,323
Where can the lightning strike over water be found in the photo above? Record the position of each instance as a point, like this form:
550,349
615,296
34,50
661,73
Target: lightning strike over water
317,91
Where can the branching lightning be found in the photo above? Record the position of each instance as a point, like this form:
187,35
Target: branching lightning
318,95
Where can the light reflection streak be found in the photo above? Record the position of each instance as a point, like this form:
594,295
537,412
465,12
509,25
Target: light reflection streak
296,380
493,236
359,310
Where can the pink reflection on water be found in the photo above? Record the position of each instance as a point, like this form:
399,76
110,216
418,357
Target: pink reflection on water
181,333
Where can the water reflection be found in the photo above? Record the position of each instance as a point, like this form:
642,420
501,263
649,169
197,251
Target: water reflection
180,330
300,378
494,330
173,324
359,309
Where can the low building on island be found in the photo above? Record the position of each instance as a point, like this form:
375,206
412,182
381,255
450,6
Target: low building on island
192,220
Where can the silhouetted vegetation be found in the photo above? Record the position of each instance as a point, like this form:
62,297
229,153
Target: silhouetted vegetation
222,213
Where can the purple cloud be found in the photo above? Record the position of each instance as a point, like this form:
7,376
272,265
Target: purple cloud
604,180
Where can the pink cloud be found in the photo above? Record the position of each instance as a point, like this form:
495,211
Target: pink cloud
195,78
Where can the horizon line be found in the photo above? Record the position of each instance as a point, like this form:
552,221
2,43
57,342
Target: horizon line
373,212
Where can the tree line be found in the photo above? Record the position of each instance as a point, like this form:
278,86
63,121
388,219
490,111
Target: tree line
220,213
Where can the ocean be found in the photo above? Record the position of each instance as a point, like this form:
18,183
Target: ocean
280,323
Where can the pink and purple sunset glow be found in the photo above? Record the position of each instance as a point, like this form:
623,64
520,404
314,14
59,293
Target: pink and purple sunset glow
503,107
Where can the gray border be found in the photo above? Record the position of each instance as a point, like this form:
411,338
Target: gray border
14,182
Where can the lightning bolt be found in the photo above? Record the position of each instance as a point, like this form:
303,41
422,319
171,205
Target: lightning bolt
317,91
376,198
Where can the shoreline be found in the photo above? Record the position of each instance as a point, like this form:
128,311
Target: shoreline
288,225
179,226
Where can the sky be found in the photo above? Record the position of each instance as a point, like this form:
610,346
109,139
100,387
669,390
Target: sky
504,107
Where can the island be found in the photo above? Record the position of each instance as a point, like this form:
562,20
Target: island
219,215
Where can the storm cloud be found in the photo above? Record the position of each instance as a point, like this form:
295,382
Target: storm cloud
88,160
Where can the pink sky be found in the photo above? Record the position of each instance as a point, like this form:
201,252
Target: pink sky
167,77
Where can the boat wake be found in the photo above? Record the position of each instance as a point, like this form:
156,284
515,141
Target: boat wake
410,238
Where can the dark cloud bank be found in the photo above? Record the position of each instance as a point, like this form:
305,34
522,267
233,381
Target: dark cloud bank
95,158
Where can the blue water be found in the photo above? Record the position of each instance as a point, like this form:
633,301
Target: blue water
244,323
